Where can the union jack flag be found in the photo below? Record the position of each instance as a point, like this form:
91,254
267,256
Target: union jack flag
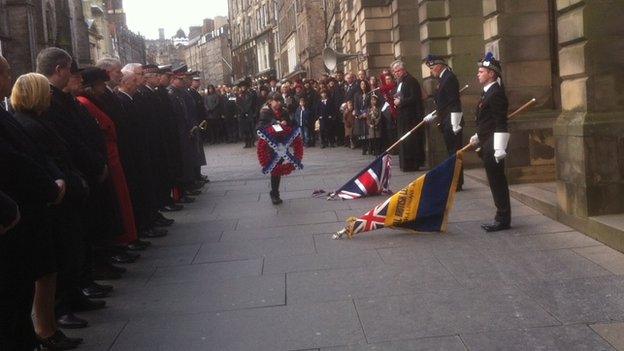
372,220
372,180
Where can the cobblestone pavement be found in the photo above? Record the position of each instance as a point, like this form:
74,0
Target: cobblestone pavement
237,273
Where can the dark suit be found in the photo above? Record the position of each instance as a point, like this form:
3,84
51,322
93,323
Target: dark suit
154,122
142,186
448,101
324,111
492,118
24,250
410,113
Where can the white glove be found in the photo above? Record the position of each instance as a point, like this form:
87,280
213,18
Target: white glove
474,139
500,144
430,117
456,118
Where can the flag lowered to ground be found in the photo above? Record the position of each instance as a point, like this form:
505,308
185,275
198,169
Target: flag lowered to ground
421,206
372,180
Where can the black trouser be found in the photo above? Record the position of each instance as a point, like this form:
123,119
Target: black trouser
327,132
453,143
498,185
374,146
275,183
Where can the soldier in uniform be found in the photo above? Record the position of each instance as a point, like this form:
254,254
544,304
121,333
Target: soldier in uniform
449,111
246,116
194,82
178,98
492,137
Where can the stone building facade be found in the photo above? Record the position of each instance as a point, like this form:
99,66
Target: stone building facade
564,53
88,30
28,26
253,46
209,54
129,46
299,41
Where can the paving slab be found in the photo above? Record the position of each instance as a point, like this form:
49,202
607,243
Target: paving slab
448,312
316,262
250,249
578,337
583,300
442,343
237,273
348,283
612,333
278,328
605,256
207,272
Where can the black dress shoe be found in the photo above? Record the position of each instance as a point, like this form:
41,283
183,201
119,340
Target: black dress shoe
58,341
81,304
107,288
192,192
124,258
186,200
70,321
495,227
137,245
93,292
172,208
163,222
153,233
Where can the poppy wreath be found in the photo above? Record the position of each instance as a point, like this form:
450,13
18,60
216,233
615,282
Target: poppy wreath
274,150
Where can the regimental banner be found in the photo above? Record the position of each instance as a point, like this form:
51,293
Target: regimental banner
421,206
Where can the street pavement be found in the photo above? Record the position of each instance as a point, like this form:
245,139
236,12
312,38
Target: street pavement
238,273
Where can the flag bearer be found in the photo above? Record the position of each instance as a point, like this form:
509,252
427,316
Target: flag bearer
492,137
449,110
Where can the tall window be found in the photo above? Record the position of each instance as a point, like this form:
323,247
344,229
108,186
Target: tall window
292,54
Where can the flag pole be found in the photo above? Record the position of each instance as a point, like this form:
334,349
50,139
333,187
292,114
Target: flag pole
512,115
417,126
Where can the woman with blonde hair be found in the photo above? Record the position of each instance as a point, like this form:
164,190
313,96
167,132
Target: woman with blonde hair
30,99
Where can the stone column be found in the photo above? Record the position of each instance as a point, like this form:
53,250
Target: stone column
405,34
590,128
517,32
453,29
373,26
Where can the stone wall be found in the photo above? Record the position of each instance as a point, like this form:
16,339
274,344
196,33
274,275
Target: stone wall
590,129
520,34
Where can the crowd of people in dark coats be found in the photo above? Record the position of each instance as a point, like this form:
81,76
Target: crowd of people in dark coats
356,111
91,159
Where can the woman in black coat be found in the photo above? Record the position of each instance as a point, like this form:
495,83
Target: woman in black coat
30,99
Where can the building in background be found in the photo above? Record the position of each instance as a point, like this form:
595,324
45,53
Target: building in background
100,41
129,46
26,27
300,42
209,54
252,24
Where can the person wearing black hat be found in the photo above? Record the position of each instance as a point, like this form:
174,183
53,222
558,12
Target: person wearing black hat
247,112
492,136
179,99
156,126
449,113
